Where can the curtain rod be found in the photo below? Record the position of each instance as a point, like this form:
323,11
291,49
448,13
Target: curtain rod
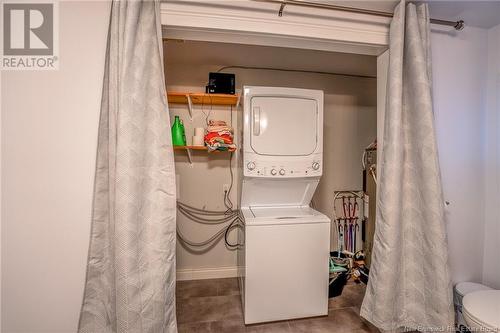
458,25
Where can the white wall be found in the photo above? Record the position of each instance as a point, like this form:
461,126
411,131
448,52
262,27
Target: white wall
201,185
459,71
49,136
491,264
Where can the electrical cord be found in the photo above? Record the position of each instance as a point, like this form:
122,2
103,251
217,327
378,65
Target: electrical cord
227,196
296,70
227,199
238,222
207,115
235,223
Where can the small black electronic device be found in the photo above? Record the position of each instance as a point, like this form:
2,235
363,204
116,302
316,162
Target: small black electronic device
221,83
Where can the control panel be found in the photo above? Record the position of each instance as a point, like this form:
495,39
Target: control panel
284,169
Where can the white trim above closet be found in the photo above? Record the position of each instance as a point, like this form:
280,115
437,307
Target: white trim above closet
250,22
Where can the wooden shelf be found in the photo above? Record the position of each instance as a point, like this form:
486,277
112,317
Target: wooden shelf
200,148
190,147
188,150
202,98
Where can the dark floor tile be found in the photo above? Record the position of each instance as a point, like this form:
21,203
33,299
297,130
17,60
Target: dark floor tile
227,287
339,320
212,308
228,326
352,296
347,319
196,288
276,327
366,330
193,328
368,327
312,325
225,326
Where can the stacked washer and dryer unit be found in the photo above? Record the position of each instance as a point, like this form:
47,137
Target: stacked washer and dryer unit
283,265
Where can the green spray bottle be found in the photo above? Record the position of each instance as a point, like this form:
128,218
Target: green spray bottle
177,133
183,129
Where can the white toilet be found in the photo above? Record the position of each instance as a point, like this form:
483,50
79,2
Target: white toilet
460,290
481,310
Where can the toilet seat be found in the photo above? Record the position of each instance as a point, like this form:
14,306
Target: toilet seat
464,288
481,309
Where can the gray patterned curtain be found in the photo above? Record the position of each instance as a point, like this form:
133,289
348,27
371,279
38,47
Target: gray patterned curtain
409,285
130,284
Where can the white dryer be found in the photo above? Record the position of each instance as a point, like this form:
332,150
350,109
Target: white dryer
284,260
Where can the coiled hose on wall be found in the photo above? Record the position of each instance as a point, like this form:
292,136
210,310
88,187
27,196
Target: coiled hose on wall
211,217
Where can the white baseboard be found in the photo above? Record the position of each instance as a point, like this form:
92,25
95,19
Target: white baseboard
207,273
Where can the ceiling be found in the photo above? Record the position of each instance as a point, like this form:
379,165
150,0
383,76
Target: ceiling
481,14
194,53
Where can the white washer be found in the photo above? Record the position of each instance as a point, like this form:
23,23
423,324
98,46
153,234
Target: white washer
284,262
286,257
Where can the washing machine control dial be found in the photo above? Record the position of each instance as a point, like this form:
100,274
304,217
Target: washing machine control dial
273,172
282,172
250,165
315,165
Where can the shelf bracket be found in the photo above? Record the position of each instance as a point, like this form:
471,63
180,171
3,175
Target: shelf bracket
282,8
190,158
238,101
190,106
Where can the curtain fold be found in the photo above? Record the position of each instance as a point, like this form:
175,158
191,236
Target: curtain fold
409,285
130,283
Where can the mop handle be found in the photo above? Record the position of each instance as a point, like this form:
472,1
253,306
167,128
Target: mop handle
344,206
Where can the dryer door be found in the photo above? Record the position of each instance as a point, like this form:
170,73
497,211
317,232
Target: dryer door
283,125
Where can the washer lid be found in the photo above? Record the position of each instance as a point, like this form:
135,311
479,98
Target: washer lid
282,212
280,215
484,307
464,288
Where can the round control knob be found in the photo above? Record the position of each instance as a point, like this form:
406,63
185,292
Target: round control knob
250,165
315,165
282,172
273,172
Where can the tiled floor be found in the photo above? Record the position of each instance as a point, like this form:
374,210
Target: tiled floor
214,306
